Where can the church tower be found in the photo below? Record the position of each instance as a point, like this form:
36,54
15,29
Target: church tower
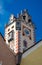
19,33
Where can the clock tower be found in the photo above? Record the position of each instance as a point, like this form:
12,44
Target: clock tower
19,34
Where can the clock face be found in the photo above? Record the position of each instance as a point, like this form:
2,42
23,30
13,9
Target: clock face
26,31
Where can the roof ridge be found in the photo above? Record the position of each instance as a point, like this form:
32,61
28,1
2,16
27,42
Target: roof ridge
39,41
2,36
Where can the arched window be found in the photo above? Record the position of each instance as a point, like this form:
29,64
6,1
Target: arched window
18,25
10,36
25,44
24,17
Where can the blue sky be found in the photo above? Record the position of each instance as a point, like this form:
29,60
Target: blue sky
8,7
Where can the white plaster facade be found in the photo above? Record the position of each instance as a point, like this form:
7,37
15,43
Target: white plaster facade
17,44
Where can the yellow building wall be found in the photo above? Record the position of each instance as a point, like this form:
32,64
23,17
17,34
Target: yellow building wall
34,58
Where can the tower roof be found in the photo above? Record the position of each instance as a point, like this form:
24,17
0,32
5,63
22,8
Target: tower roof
23,16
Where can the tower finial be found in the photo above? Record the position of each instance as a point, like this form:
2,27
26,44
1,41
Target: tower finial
11,18
21,12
